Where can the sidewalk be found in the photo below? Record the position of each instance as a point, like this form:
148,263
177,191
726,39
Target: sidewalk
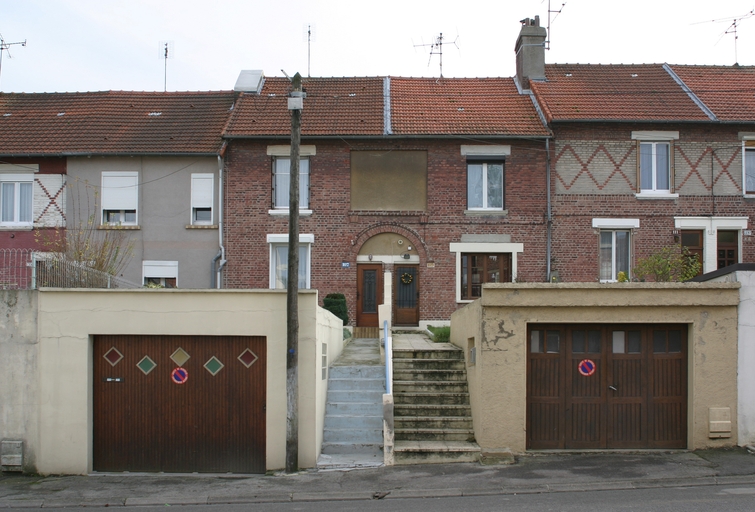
533,473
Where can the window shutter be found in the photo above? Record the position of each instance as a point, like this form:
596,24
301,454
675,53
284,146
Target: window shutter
120,190
201,190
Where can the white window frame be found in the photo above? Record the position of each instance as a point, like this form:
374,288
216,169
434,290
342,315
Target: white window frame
748,148
654,138
117,197
159,269
284,152
278,240
613,225
202,197
483,248
17,179
710,227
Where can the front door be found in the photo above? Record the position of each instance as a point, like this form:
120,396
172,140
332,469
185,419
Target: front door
406,305
369,294
606,386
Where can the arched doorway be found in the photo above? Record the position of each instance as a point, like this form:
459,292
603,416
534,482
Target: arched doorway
394,255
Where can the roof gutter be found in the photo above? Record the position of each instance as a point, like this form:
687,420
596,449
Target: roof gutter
393,137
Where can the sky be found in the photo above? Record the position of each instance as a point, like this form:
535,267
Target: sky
95,45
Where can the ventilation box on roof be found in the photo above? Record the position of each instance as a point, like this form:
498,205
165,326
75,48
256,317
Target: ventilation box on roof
250,80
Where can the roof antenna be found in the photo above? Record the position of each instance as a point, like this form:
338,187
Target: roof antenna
5,47
166,52
732,29
310,32
548,35
436,47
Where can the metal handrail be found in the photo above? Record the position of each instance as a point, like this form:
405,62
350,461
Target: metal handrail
388,359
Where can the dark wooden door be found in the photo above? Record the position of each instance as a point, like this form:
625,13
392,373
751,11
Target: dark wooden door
369,294
214,421
406,293
606,386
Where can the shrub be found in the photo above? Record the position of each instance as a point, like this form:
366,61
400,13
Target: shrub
336,304
440,334
668,264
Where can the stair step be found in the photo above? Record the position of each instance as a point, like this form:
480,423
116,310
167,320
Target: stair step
346,395
434,434
366,408
351,372
351,383
424,375
435,452
448,410
431,398
353,435
410,386
335,421
432,422
454,353
349,448
428,364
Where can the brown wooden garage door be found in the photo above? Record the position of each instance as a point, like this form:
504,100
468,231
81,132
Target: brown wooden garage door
606,386
213,421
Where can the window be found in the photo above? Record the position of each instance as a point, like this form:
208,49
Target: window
120,197
655,166
749,166
692,240
16,204
485,185
160,273
279,260
389,180
201,199
614,254
728,248
477,269
282,182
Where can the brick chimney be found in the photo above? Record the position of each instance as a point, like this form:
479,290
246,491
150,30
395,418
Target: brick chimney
530,52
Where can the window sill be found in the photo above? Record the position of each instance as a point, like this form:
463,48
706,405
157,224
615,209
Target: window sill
107,227
465,301
656,195
201,226
282,212
749,195
486,213
16,227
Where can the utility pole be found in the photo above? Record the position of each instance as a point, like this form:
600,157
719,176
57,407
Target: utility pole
295,104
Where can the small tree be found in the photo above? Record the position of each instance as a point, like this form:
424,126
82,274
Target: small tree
336,304
674,263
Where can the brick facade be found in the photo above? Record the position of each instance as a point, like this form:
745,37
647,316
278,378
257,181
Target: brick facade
339,232
595,176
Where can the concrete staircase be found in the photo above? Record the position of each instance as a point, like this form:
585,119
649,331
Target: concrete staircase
432,415
353,431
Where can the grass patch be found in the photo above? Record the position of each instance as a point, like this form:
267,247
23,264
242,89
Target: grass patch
440,334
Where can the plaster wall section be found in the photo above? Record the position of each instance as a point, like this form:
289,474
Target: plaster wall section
710,311
165,231
328,346
68,319
19,390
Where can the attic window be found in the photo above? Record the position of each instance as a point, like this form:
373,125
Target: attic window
634,75
155,114
460,109
352,94
7,115
271,94
568,74
61,114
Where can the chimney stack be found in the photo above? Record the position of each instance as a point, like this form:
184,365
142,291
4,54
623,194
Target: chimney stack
530,52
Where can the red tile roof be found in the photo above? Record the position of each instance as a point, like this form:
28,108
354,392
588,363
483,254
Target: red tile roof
333,106
614,92
462,106
113,122
728,91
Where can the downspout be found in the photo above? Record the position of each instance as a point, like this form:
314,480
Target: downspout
549,219
221,254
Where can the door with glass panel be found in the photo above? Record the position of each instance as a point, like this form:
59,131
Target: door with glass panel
406,296
369,294
606,386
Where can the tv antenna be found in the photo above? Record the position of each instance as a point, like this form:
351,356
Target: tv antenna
310,33
550,11
167,50
732,28
5,47
436,48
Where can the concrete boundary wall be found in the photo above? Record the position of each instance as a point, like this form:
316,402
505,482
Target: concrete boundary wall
59,432
495,329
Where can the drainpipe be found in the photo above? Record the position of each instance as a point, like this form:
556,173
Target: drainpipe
223,261
549,216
